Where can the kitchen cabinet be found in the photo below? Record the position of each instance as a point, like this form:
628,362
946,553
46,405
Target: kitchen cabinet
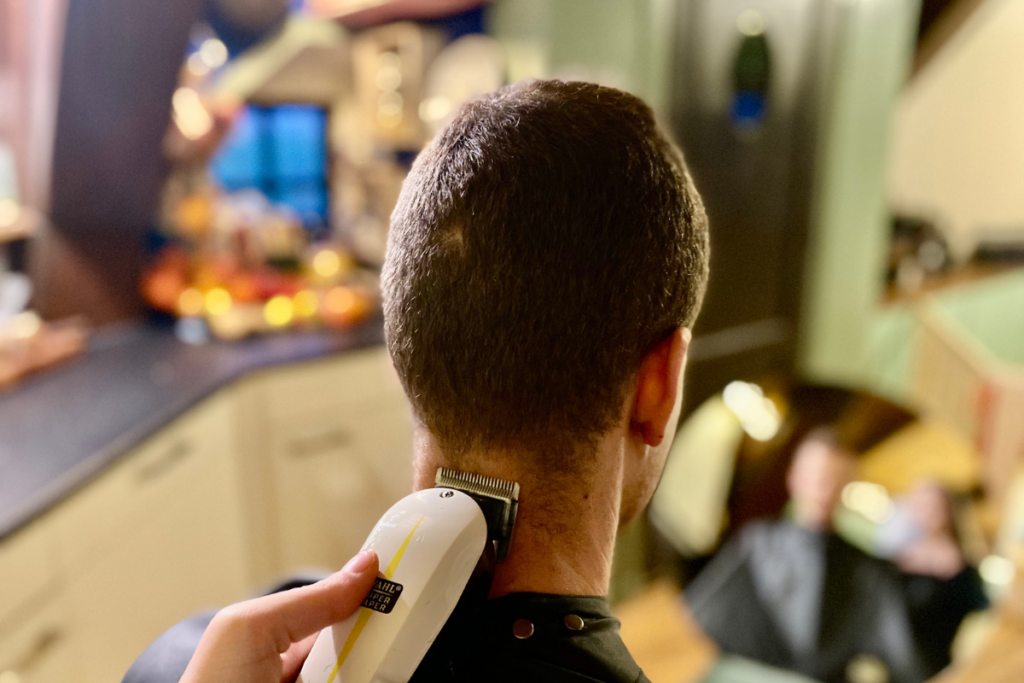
335,475
35,649
289,469
160,473
28,569
339,447
33,626
155,540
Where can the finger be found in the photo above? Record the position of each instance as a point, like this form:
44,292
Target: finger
295,657
293,615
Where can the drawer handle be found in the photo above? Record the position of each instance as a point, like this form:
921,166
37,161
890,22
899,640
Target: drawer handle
45,642
313,444
156,469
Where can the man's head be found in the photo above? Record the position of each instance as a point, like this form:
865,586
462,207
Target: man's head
930,507
544,244
821,468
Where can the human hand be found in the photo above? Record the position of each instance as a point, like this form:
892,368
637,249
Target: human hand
266,640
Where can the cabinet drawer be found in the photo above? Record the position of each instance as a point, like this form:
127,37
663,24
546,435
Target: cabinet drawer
162,470
334,475
35,650
187,558
351,379
28,569
375,438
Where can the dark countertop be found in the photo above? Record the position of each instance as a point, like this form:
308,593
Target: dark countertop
60,428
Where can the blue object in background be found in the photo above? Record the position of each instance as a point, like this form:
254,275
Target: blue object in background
749,108
461,24
239,38
282,152
752,77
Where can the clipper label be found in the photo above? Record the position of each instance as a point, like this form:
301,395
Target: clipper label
383,596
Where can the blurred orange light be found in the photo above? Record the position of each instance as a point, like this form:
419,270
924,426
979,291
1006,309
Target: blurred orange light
305,304
190,302
339,301
206,277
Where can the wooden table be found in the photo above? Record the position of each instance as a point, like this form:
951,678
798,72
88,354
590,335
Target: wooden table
666,643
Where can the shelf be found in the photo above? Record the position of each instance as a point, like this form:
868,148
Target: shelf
971,272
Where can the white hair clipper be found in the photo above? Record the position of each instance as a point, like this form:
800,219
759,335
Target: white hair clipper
429,544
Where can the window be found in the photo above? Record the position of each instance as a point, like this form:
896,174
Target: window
282,151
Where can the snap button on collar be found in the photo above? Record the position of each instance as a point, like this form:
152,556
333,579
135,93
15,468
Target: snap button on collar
522,629
573,622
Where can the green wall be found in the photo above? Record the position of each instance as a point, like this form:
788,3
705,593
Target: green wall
623,43
850,229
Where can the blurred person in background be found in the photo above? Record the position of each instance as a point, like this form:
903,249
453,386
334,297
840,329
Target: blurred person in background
793,594
920,537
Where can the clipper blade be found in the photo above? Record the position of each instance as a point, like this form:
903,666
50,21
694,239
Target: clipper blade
497,498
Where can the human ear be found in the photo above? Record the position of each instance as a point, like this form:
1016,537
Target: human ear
657,388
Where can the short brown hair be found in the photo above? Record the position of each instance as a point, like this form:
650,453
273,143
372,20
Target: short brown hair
543,243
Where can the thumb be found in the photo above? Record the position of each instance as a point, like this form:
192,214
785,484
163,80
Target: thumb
296,614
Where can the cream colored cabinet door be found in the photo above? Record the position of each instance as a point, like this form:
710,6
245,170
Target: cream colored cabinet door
334,477
337,465
177,549
35,649
29,570
34,630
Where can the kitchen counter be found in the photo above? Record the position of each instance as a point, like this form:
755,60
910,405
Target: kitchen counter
61,428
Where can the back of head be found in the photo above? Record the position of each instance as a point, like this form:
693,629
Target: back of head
545,241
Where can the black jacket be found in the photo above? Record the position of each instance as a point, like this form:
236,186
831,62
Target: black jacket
572,640
812,603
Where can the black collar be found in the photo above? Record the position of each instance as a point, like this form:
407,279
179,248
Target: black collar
534,637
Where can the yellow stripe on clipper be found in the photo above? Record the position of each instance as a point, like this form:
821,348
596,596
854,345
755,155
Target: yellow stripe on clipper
353,636
390,571
365,614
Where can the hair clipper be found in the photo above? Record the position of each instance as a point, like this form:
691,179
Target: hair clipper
429,544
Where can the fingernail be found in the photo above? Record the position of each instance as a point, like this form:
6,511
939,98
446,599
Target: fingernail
360,563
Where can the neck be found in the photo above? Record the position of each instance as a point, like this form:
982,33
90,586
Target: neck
565,528
811,521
